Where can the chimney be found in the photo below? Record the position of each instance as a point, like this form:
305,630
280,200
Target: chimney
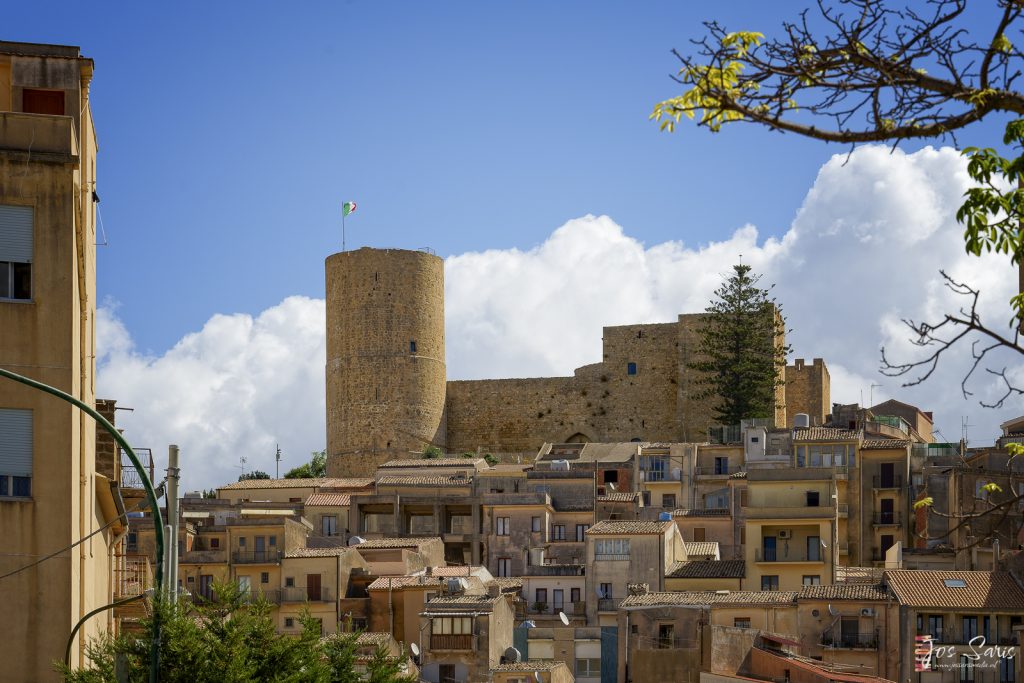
493,590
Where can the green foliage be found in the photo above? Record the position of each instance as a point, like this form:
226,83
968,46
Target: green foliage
314,469
233,641
740,353
255,474
210,493
491,459
431,452
924,503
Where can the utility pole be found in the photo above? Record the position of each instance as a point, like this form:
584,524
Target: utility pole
172,518
277,464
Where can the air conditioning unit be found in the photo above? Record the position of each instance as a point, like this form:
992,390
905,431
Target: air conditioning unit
785,533
868,612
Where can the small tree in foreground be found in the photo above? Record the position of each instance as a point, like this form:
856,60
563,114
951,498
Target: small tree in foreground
314,469
232,640
741,351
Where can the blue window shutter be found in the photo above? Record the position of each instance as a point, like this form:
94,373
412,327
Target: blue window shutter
16,233
16,442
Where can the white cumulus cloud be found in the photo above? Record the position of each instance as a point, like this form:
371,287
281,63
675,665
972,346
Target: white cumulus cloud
862,253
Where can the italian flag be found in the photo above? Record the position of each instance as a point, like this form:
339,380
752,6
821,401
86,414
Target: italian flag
347,208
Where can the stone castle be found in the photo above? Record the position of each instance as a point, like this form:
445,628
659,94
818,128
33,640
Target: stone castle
388,394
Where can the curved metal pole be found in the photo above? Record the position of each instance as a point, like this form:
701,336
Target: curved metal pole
158,522
81,622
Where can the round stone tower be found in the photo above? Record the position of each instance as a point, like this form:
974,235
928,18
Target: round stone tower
385,357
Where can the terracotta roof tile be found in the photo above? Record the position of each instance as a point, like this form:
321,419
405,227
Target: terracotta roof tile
701,547
530,666
628,527
845,591
374,638
318,482
707,569
882,444
456,571
712,512
398,582
318,552
380,543
508,583
332,499
711,598
618,496
826,434
433,462
443,602
738,475
425,480
983,590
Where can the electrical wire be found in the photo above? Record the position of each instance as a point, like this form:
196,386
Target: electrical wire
142,504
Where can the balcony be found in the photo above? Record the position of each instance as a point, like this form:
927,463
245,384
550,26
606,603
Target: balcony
795,474
717,471
45,137
886,519
791,512
578,609
273,596
462,641
608,604
661,475
554,570
887,482
862,641
204,557
130,478
256,557
780,555
610,557
302,594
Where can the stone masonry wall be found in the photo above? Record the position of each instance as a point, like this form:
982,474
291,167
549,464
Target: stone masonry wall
807,390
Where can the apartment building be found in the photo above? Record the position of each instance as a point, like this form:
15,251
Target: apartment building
51,493
464,635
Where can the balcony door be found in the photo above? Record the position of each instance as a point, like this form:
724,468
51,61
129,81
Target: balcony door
848,631
887,511
259,548
313,587
887,475
558,596
768,548
814,548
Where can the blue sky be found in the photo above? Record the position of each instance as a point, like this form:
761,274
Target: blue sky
231,133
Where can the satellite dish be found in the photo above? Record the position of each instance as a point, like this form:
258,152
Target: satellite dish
512,655
832,611
537,677
356,540
565,619
611,486
415,649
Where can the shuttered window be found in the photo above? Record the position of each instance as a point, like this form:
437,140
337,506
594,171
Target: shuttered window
15,452
15,252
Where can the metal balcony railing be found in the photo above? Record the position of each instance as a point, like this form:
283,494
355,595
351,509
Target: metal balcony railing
303,594
608,604
888,482
850,640
779,555
271,595
256,556
885,518
130,478
716,470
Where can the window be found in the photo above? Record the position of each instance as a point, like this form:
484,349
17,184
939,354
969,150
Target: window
329,525
654,467
743,498
721,465
241,541
289,622
699,534
970,625
743,535
272,541
504,566
558,599
770,583
605,591
812,580
741,622
452,626
289,582
133,541
214,543
611,476
813,499
630,368
503,524
541,597
264,577
35,101
1006,670
801,456
446,673
955,583
535,524
558,532
574,596
581,532
612,548
666,635
15,453
412,346
814,549
935,626
966,669
668,501
244,584
588,668
16,252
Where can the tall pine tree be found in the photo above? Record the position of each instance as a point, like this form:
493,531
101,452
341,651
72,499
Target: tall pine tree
741,353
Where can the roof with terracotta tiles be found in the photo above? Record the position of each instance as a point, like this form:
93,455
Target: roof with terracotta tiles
317,552
530,666
626,526
845,591
374,638
738,475
701,547
317,482
618,496
711,598
398,582
826,434
448,602
462,463
329,499
883,444
379,543
690,512
457,570
423,480
983,590
508,583
707,569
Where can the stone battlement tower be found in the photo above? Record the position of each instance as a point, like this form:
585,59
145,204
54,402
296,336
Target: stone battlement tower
385,357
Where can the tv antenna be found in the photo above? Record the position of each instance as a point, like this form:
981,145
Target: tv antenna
277,464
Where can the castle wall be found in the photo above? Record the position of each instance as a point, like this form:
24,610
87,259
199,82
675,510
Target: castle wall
808,390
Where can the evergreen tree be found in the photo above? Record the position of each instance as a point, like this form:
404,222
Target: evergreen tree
741,352
315,468
255,474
